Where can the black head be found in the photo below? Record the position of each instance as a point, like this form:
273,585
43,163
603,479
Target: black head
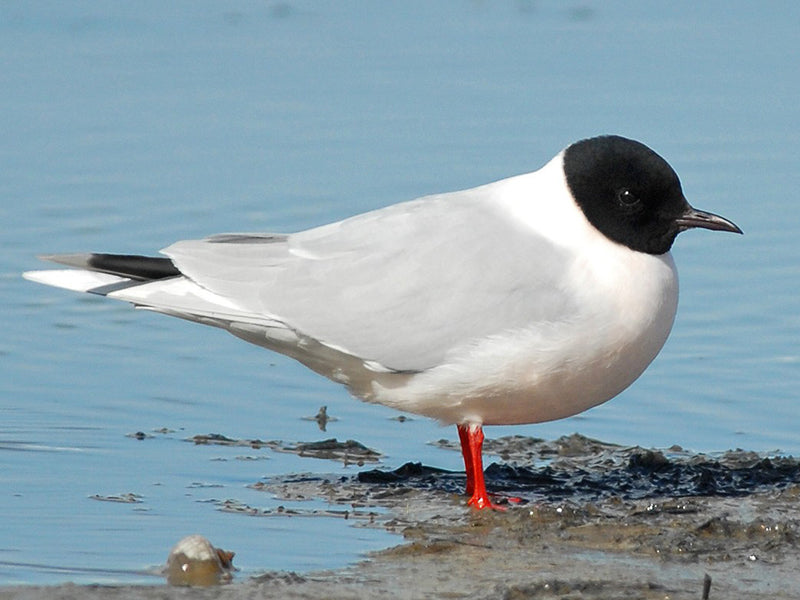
631,194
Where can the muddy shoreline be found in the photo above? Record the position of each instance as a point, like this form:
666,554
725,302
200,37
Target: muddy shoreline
584,520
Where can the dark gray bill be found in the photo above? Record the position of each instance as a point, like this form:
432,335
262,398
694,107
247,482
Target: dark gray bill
700,218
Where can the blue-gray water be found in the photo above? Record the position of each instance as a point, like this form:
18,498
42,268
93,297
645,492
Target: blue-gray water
126,126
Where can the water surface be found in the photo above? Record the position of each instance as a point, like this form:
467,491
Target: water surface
128,126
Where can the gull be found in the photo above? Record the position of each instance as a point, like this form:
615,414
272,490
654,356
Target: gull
525,300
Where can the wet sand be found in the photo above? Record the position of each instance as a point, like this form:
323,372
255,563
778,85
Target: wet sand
585,520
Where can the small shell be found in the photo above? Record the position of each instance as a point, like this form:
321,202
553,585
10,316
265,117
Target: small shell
195,562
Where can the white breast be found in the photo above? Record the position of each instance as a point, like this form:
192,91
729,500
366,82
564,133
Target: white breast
553,370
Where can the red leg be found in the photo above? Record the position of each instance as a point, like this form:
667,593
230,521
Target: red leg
466,452
471,437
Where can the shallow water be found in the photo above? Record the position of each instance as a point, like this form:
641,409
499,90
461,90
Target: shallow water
126,127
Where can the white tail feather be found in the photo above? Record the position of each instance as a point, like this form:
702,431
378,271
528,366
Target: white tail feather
177,296
77,280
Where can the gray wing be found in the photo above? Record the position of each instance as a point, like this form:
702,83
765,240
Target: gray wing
400,286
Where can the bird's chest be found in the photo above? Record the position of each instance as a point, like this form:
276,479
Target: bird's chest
621,317
623,314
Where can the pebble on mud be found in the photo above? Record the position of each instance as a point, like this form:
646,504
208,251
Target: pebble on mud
195,562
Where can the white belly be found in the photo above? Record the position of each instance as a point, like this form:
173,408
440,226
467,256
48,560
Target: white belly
552,370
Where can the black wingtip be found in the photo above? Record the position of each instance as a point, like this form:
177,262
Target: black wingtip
142,268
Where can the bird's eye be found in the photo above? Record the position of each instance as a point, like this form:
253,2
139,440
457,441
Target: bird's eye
627,198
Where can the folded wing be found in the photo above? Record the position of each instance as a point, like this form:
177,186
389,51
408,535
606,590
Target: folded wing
398,288
401,287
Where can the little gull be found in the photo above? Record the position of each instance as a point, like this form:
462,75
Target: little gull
525,300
